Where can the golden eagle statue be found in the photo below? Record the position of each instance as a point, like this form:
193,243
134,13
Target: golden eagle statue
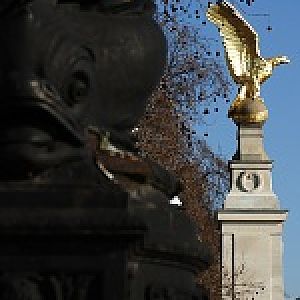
248,69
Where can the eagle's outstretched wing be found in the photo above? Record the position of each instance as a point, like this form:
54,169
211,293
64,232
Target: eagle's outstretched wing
240,39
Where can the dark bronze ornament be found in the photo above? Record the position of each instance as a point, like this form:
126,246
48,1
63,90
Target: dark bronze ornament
83,216
68,66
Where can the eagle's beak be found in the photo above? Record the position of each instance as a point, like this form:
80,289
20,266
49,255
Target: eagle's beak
283,60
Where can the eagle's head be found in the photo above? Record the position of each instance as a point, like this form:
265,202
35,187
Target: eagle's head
276,61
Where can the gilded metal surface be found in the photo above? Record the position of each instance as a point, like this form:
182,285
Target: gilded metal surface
248,69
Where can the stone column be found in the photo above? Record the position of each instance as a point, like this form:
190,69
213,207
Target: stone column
251,222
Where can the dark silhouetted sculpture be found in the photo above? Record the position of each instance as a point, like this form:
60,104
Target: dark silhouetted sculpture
82,215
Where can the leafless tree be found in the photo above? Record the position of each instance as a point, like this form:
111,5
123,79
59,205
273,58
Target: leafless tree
195,80
240,285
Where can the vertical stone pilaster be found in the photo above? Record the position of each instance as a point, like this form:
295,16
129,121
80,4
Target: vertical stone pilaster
252,214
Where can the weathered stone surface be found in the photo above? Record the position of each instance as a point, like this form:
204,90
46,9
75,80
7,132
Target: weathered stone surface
252,224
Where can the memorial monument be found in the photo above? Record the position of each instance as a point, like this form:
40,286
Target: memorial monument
82,215
251,219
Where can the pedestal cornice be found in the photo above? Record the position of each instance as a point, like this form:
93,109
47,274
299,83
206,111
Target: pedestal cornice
253,215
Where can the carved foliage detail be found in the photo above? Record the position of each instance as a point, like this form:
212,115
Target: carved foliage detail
34,286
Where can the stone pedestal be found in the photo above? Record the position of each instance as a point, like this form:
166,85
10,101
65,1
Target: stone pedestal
74,243
251,222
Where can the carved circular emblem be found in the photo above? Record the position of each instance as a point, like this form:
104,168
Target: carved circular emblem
248,181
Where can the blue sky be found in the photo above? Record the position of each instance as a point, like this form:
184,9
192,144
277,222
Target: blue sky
282,130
